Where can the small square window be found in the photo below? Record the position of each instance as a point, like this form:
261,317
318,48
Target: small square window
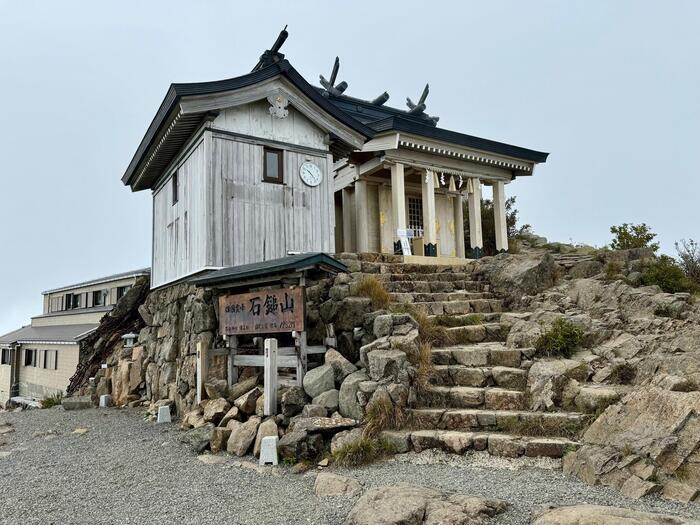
121,291
99,298
273,165
175,188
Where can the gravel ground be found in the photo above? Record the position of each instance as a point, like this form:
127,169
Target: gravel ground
126,470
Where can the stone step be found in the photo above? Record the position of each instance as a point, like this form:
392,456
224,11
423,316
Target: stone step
487,332
459,307
491,317
382,267
482,354
455,277
427,286
499,376
437,297
496,444
492,398
520,422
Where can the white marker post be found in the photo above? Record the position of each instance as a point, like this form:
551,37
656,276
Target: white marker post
270,377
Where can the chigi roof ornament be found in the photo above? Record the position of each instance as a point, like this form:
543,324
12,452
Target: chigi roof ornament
338,89
419,109
272,55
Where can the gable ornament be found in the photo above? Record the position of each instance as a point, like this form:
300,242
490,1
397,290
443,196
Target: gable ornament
278,106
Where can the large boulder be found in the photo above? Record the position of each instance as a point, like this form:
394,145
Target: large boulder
299,445
248,401
348,405
328,400
341,366
215,409
198,439
319,380
406,505
238,389
652,434
242,436
266,429
601,515
386,363
322,424
292,401
547,380
328,484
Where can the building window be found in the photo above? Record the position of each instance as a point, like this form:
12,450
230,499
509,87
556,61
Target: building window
99,298
73,301
121,291
415,216
273,165
5,359
30,357
51,359
176,189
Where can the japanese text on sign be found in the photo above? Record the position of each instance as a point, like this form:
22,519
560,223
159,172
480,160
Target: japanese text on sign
267,311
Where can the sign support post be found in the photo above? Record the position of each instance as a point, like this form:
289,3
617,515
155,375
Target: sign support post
270,377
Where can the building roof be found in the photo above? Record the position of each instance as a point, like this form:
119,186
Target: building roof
164,116
271,269
76,311
383,118
100,280
48,334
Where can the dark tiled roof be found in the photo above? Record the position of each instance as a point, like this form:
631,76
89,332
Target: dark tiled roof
47,334
283,265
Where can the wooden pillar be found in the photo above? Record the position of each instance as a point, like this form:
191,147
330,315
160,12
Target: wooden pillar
270,378
348,219
499,216
474,204
428,195
361,216
232,341
458,211
398,203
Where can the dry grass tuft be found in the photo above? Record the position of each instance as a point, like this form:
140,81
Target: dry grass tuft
425,369
382,414
372,288
361,452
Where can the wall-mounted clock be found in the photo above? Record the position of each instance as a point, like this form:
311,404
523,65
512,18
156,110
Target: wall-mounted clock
310,174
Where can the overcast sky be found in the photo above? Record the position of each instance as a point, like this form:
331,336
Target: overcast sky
611,89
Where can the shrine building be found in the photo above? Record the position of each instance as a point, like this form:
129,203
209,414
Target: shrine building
259,166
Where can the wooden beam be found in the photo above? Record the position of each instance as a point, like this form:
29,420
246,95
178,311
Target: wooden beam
202,369
270,378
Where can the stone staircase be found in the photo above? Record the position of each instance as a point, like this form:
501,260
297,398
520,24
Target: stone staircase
477,398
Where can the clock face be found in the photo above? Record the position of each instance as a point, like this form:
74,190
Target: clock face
310,174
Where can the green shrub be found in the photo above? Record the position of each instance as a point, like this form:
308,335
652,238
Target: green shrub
372,288
365,450
668,275
52,401
629,236
613,269
561,339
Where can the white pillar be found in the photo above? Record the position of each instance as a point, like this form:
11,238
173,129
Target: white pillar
270,378
458,211
428,194
398,202
361,216
474,203
499,216
386,221
348,213
202,369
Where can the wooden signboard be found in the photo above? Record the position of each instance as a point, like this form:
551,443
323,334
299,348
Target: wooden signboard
263,312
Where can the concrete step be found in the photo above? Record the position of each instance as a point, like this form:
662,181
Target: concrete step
426,286
492,398
496,444
479,355
499,376
520,422
452,277
460,307
435,297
